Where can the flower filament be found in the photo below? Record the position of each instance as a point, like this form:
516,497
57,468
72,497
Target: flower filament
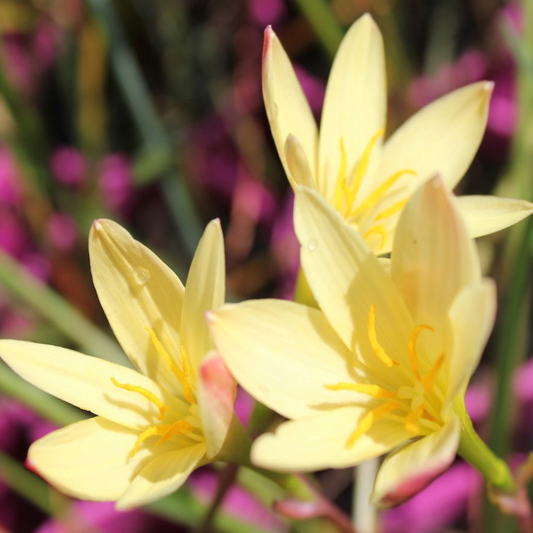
183,374
180,427
412,403
346,191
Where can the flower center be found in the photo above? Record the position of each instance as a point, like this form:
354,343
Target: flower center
416,403
166,432
347,189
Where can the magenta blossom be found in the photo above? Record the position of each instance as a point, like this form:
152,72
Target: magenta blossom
69,166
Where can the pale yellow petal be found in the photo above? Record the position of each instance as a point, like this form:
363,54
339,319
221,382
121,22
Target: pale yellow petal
88,460
433,256
298,163
319,442
204,291
287,108
488,214
85,381
217,391
441,138
347,280
137,291
355,104
471,318
283,354
161,476
412,467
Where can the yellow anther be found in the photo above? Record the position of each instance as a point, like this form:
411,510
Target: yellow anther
429,380
362,165
178,428
381,231
412,419
166,432
183,376
176,370
150,396
150,432
368,420
340,188
372,390
392,210
411,348
380,190
372,337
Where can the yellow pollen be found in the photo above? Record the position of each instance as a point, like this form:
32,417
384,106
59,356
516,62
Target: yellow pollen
183,376
150,396
379,229
368,420
362,165
411,348
372,390
178,428
413,418
380,190
429,380
392,210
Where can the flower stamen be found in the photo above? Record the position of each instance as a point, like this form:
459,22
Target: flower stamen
412,419
368,420
150,432
183,376
380,190
392,210
379,229
166,432
340,188
362,164
429,379
372,337
150,396
177,428
372,390
411,348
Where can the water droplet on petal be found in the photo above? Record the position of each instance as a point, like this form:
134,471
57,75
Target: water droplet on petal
141,275
275,111
312,245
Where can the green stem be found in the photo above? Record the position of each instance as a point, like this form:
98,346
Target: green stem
58,311
323,22
510,346
479,455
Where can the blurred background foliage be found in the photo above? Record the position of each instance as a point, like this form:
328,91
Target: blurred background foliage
151,113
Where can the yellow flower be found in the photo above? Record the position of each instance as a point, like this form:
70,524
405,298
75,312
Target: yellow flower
367,180
385,363
155,425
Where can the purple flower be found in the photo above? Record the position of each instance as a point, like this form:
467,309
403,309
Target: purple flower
237,502
440,504
69,166
115,182
10,179
265,12
62,231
